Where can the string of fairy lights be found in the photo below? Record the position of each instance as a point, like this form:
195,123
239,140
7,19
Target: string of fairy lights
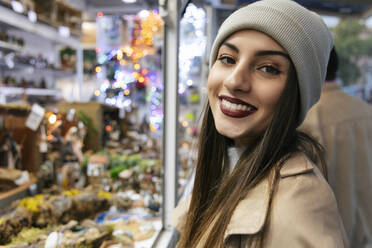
133,72
192,43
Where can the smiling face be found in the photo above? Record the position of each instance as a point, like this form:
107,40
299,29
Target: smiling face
245,84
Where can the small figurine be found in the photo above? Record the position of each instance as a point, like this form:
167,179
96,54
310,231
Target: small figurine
10,152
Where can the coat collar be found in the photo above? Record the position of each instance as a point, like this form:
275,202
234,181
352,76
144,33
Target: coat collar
330,86
250,214
295,165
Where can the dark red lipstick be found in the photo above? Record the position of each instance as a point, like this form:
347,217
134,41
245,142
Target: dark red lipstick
236,113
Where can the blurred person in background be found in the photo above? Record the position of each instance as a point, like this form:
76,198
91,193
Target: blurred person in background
343,125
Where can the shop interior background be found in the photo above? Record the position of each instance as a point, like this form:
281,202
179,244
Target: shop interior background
86,156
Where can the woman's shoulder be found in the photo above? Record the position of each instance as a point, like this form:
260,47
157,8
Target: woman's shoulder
296,164
304,207
301,182
300,173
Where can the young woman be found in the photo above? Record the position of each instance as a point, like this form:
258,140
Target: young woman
256,184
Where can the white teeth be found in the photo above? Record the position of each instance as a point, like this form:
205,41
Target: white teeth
235,107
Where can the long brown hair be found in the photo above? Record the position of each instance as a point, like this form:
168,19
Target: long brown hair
214,186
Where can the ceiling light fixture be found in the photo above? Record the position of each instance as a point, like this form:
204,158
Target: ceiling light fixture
32,16
64,31
129,1
17,6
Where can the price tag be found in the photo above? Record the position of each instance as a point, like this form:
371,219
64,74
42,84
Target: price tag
35,117
43,148
95,169
70,115
2,98
33,189
121,113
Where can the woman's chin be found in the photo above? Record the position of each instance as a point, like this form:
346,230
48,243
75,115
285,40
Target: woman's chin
229,133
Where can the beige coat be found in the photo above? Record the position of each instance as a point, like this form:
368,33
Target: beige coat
343,124
303,213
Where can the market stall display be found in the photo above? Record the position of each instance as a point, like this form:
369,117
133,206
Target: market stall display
85,174
84,198
131,193
54,12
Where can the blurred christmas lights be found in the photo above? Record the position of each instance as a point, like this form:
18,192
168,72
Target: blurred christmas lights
192,43
134,65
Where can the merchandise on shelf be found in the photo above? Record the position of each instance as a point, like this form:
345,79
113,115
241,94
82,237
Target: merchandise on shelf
68,59
98,176
112,196
43,210
10,152
90,61
53,12
10,42
68,16
45,10
134,197
22,140
10,179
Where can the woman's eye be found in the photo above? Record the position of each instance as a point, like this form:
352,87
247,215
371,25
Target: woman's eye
270,70
227,60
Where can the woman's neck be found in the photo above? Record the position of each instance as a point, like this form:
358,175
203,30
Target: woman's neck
240,145
235,153
248,141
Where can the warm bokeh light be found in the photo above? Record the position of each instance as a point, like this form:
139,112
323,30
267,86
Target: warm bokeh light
52,119
119,55
128,50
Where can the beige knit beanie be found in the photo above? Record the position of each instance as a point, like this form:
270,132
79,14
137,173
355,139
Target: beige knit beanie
302,33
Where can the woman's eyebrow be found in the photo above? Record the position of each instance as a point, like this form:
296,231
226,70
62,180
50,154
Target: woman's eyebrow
269,52
259,53
231,46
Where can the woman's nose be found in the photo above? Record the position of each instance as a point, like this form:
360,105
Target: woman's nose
238,80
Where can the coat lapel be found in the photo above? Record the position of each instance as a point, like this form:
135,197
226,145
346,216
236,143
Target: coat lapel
248,217
250,214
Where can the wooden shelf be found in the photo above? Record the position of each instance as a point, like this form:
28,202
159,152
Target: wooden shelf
20,188
21,22
29,91
10,46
